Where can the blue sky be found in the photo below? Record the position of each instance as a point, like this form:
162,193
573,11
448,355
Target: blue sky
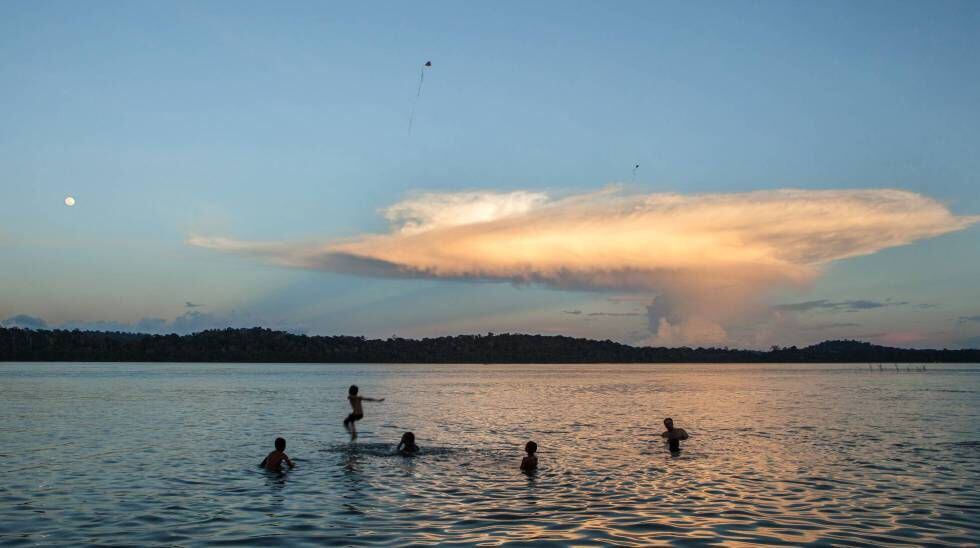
288,123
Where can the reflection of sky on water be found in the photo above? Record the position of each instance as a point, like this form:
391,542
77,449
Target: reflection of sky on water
166,453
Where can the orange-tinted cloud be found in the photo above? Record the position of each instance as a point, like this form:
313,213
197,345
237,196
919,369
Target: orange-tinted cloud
705,251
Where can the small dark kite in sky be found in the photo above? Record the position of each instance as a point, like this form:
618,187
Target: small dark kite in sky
418,94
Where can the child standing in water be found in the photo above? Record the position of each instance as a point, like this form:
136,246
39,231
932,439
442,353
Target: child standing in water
530,462
407,445
273,461
673,435
357,411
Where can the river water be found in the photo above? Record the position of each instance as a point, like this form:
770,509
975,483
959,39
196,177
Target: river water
167,454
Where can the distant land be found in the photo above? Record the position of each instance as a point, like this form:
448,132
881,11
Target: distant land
258,345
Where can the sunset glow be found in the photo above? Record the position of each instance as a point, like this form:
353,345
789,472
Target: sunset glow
713,254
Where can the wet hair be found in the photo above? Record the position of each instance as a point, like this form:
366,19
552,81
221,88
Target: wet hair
280,444
352,390
668,419
408,438
531,447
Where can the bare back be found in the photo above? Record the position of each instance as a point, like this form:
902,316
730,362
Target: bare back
355,404
273,461
675,434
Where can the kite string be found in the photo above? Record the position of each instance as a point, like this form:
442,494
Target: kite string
418,94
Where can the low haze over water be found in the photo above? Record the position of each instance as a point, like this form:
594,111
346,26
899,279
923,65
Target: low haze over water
143,454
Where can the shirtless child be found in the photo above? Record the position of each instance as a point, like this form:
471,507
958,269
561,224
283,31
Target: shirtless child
273,461
357,411
530,462
673,435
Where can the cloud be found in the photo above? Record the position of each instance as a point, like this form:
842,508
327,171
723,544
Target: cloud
598,314
188,322
151,325
628,299
971,342
607,240
98,325
710,258
695,331
831,325
25,322
824,304
965,319
434,211
189,304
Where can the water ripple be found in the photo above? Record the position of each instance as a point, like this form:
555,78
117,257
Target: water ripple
782,455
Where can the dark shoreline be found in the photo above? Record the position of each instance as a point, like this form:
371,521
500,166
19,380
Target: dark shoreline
258,345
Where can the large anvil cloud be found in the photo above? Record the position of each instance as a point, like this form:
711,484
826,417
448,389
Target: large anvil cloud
609,240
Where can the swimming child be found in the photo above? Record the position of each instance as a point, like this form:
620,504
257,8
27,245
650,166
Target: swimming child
673,435
407,445
273,461
530,462
357,412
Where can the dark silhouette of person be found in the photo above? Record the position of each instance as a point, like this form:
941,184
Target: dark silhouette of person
357,410
407,445
673,435
273,461
530,462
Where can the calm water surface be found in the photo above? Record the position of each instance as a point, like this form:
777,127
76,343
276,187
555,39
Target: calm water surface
146,454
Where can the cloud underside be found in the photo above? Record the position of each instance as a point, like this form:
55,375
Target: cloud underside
849,306
607,240
700,251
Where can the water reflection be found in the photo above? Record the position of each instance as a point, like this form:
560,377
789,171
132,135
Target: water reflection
777,454
275,480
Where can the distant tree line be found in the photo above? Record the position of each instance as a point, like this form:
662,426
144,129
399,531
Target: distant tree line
265,345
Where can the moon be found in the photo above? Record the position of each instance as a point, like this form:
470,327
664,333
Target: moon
69,201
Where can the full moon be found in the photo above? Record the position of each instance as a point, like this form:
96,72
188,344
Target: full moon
69,201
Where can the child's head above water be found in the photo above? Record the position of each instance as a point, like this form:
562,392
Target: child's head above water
280,444
531,448
352,390
407,445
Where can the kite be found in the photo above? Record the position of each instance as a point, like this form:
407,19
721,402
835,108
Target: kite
418,94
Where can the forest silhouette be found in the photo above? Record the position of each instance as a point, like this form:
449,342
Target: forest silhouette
265,345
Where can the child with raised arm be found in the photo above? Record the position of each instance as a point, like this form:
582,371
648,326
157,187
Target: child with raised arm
273,461
530,462
357,411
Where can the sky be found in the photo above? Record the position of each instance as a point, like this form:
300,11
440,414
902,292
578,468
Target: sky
806,171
